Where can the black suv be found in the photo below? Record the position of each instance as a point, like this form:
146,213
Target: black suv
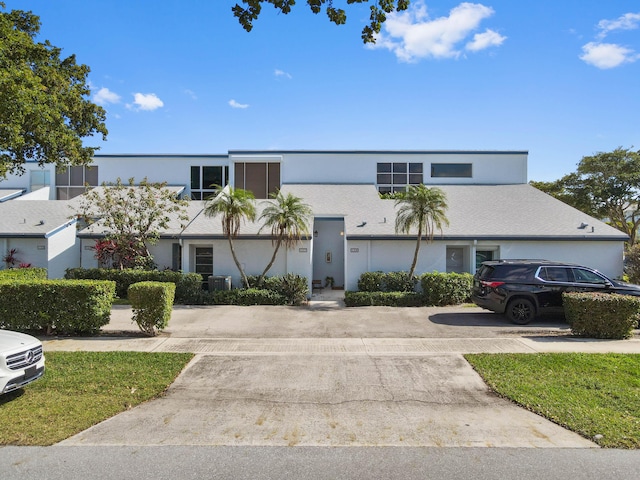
524,289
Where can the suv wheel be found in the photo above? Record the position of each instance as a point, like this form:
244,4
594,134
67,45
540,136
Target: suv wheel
520,311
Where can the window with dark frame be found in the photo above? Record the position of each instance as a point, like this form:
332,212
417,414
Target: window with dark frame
396,176
72,181
204,178
260,178
451,170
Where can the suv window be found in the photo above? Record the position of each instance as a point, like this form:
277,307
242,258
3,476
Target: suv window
587,276
485,272
506,272
554,274
515,273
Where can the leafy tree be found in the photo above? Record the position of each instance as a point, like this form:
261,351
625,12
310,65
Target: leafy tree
288,218
235,205
424,208
379,10
606,186
44,108
133,217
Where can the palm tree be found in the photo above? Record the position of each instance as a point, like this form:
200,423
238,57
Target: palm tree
423,208
288,217
235,205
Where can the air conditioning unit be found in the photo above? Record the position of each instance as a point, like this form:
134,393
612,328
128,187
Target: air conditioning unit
219,282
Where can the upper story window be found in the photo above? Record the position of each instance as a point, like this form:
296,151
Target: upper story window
451,170
394,177
203,179
39,179
260,178
72,181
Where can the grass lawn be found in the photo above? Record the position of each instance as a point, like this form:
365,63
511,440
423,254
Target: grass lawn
80,389
591,394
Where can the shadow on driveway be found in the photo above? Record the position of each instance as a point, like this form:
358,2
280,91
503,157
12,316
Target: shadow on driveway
493,320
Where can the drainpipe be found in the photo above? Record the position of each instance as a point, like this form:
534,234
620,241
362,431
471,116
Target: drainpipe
473,257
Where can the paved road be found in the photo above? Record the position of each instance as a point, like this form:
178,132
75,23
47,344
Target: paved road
301,463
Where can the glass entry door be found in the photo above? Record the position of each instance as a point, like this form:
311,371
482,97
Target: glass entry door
204,264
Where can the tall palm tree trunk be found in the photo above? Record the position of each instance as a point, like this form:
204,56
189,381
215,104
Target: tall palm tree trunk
235,259
273,259
415,254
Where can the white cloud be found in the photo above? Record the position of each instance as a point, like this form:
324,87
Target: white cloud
191,94
281,73
607,55
105,96
412,35
145,101
485,40
628,21
235,104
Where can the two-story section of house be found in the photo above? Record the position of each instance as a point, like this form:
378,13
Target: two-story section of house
492,211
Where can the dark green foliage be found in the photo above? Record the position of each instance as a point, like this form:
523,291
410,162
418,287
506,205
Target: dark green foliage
289,289
188,285
56,306
30,273
386,282
292,287
390,299
632,263
400,282
446,288
378,11
601,315
152,303
45,110
245,297
254,279
437,289
371,282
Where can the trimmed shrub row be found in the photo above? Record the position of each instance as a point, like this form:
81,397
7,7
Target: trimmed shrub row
388,299
446,288
151,303
56,306
397,289
289,289
245,297
601,315
188,285
386,282
31,273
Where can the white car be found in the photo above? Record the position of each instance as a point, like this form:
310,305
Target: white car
21,360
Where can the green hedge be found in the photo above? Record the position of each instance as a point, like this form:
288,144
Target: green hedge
289,289
188,285
437,289
30,273
56,306
293,288
246,297
389,299
441,289
386,282
151,303
601,315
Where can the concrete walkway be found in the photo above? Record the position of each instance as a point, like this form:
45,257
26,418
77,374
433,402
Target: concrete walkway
326,375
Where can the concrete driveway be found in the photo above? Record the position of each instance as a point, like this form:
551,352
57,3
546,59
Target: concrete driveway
328,377
330,400
375,376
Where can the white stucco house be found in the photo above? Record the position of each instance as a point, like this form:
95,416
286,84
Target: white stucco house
493,212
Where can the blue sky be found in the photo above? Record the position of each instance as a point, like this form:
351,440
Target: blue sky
560,79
